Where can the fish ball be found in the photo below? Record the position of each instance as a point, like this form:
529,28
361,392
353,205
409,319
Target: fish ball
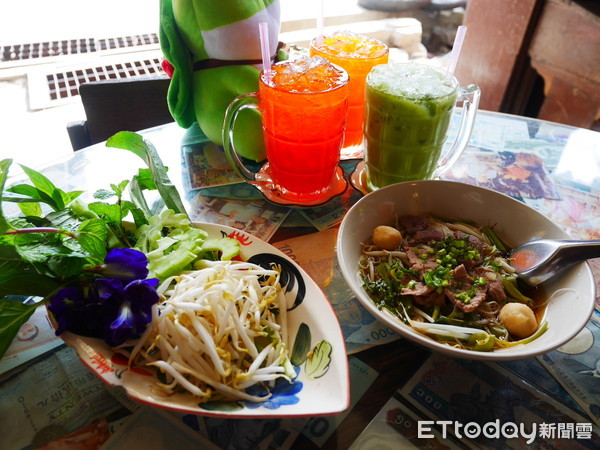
387,238
518,319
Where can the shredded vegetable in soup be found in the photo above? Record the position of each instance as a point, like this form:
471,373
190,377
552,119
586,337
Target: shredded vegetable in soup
219,330
450,281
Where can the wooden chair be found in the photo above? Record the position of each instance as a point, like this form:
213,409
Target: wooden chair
119,105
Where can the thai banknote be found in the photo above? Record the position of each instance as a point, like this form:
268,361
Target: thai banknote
494,133
396,427
247,434
208,171
319,429
153,429
484,405
258,217
576,366
207,166
518,174
55,396
240,434
331,214
532,370
360,329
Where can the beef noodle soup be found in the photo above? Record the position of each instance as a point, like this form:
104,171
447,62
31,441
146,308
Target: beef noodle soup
451,281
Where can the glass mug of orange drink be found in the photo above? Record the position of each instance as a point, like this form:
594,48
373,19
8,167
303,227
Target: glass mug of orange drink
303,105
357,54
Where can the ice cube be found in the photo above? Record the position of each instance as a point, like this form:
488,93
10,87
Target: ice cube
316,62
347,35
300,65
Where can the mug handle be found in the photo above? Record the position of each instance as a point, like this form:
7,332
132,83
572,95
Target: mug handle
470,97
246,101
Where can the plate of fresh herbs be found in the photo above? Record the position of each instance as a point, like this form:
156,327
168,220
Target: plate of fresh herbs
199,318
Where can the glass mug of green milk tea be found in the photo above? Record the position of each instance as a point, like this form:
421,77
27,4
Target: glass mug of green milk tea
303,104
407,112
357,54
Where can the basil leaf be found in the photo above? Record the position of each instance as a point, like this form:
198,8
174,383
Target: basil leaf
136,144
103,194
92,238
139,218
8,196
21,278
37,247
46,186
66,266
32,194
13,314
31,209
4,166
30,283
109,213
73,195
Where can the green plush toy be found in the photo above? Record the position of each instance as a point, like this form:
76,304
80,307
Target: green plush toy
213,54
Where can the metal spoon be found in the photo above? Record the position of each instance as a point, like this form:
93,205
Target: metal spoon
538,261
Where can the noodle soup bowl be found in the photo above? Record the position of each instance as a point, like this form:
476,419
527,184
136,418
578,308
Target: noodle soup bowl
572,292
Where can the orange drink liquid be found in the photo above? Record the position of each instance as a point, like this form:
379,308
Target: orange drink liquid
303,108
357,54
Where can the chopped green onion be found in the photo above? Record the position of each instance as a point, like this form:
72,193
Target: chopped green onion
492,236
511,288
482,342
541,330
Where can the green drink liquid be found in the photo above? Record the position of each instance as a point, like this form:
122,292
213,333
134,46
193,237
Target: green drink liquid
408,110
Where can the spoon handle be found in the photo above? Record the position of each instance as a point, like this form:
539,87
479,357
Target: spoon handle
581,250
538,261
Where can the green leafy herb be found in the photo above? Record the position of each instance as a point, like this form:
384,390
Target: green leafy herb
13,314
92,238
61,244
136,144
43,251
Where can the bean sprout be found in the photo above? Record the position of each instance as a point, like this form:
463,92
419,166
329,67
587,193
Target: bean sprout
219,330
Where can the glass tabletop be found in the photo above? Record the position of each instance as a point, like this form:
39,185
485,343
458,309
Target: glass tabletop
399,390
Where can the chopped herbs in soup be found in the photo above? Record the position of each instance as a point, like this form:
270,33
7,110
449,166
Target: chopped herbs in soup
451,281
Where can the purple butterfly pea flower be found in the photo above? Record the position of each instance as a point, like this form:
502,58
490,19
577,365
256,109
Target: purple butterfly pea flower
108,292
135,311
63,306
116,307
125,264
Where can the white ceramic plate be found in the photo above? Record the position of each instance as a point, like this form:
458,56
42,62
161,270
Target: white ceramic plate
513,220
322,385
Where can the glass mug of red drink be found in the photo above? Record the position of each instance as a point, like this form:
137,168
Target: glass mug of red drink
303,104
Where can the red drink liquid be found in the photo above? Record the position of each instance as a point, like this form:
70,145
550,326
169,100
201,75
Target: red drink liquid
303,115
